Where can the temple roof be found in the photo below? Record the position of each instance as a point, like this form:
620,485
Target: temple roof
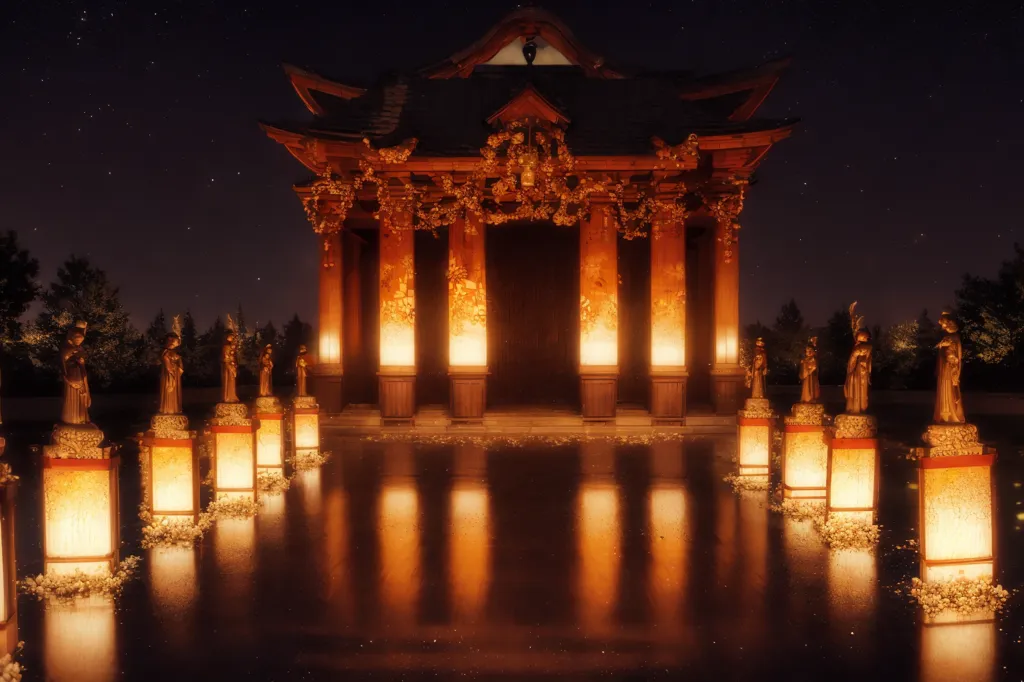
453,106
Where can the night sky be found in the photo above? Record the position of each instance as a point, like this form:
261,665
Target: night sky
130,135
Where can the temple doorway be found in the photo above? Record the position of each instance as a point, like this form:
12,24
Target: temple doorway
533,314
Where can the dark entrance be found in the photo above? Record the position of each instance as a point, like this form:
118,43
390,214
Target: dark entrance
533,314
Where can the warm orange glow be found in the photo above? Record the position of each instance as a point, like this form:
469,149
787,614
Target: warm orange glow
269,443
470,547
399,533
309,482
81,641
667,511
337,567
234,465
805,463
599,291
599,547
329,347
852,585
668,294
172,480
173,589
397,294
467,294
727,345
307,431
233,544
80,515
272,521
851,483
957,653
754,448
956,527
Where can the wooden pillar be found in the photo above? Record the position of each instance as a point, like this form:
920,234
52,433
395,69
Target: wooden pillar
599,315
327,373
397,319
467,319
668,319
726,372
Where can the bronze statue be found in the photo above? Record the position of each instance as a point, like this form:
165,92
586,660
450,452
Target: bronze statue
758,370
77,398
858,374
171,370
810,389
949,408
301,371
229,368
267,371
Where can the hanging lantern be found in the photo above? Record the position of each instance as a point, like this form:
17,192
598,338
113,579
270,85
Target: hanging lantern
8,571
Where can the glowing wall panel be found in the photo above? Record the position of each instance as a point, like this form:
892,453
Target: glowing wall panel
467,294
397,293
668,294
599,291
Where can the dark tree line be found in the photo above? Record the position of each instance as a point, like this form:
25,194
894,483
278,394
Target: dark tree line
120,356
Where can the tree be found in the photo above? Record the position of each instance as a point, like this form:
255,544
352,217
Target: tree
295,333
155,335
896,354
991,315
789,340
204,369
83,292
835,342
926,335
18,287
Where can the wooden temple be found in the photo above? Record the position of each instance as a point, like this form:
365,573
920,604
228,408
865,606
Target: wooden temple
524,223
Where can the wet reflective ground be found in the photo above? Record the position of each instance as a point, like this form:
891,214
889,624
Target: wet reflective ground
402,561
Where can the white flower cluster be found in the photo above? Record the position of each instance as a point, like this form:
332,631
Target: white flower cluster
234,508
801,510
845,533
272,483
6,475
173,532
310,459
10,669
74,585
964,596
743,483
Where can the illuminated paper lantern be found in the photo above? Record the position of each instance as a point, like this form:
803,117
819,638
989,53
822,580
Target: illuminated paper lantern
397,335
234,460
852,484
171,478
80,515
754,435
270,442
305,425
8,571
805,453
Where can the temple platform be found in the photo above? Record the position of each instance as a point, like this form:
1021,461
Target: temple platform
433,419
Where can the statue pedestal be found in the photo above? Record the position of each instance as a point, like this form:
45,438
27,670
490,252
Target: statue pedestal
668,395
269,414
170,469
805,452
955,489
234,452
852,485
754,425
305,424
80,502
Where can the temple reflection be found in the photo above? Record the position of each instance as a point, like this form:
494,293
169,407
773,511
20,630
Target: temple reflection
668,533
469,535
741,561
173,589
852,586
338,564
272,521
598,538
958,652
399,537
234,542
80,641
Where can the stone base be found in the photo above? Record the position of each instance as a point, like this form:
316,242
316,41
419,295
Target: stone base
599,393
856,426
231,414
305,402
268,405
757,408
76,441
170,426
807,414
948,440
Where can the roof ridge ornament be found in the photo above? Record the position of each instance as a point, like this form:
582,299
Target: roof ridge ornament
530,50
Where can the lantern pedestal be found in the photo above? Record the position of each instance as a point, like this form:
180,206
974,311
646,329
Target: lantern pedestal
234,452
269,414
599,392
468,393
805,452
397,394
754,426
305,424
170,469
8,571
956,510
852,485
668,395
80,502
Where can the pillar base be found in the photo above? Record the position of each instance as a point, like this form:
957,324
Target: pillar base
468,394
326,387
668,395
599,388
397,394
726,389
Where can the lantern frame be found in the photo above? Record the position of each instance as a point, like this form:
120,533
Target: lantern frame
853,444
249,429
754,423
109,464
304,412
152,442
261,418
804,492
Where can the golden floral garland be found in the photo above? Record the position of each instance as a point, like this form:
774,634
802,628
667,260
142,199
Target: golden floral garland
677,154
725,209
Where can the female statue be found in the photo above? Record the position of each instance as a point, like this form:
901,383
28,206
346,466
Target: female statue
301,370
949,408
858,374
758,370
170,376
267,371
810,389
77,398
228,369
